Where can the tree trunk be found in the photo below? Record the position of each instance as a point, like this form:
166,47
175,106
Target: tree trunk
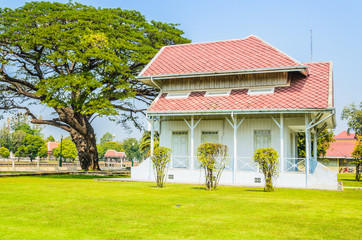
358,175
87,149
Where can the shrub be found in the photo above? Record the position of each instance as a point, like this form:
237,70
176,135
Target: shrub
267,158
357,154
213,158
160,158
4,152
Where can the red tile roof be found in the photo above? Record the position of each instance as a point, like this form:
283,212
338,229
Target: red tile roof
345,136
52,145
114,154
309,92
342,147
241,54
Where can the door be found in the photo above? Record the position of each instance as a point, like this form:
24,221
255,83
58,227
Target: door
179,150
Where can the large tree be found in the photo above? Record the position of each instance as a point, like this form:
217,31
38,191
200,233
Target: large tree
353,113
80,61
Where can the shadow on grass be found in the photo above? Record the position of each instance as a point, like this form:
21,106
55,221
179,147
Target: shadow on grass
76,176
254,190
198,188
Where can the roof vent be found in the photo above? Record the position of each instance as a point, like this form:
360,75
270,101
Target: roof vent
217,93
258,91
178,95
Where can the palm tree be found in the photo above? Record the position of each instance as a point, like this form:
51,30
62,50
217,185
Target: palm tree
145,145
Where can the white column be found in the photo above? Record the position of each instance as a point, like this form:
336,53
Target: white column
235,149
192,143
281,143
315,153
307,149
152,135
152,146
13,164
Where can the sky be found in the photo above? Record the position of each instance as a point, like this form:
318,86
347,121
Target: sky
336,26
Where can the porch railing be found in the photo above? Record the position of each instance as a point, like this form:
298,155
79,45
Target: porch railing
291,165
297,165
246,164
294,165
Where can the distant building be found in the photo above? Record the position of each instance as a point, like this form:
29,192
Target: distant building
339,155
51,146
114,155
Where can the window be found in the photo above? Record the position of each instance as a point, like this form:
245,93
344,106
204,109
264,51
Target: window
262,139
209,136
178,95
179,149
217,93
257,91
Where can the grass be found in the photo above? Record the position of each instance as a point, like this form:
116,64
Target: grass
76,207
348,180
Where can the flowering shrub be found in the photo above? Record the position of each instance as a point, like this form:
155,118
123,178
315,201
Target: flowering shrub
267,158
213,158
160,159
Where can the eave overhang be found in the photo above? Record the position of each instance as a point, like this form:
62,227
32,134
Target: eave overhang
331,120
303,69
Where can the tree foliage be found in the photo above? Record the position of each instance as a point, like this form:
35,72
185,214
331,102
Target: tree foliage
267,158
4,152
324,141
107,137
80,61
213,158
103,148
131,148
145,143
33,144
357,154
353,113
50,139
69,151
160,159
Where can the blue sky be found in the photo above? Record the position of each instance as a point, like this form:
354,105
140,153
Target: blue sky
337,35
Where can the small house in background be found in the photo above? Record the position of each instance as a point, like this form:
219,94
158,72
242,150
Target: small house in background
339,154
51,146
114,155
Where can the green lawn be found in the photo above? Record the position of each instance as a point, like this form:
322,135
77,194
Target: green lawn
76,207
348,180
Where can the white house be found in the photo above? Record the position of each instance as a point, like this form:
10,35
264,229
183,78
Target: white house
245,94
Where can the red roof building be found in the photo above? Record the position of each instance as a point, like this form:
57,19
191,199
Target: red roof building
114,154
245,94
51,146
342,147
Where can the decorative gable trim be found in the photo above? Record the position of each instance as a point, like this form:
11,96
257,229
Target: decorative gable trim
330,92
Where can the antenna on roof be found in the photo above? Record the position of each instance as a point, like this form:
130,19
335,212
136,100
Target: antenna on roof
311,39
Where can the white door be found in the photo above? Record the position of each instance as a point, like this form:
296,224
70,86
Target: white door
179,150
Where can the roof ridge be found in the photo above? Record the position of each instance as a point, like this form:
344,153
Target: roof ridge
318,62
229,40
280,51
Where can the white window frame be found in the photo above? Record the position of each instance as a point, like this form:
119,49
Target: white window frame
260,91
217,93
177,95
